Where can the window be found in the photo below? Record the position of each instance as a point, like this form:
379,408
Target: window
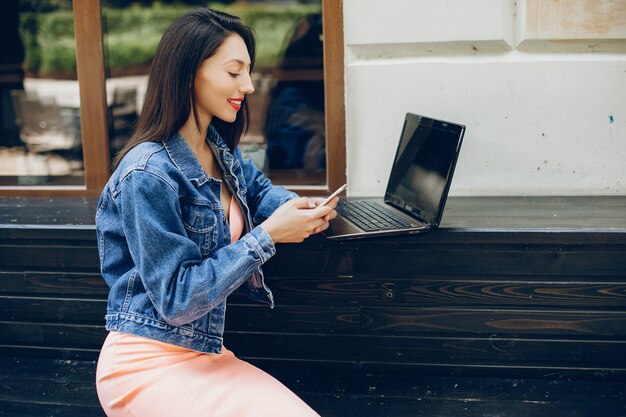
108,107
40,139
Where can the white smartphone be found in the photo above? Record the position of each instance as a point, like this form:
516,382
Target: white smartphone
333,195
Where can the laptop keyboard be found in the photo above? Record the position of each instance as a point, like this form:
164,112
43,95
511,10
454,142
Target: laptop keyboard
370,216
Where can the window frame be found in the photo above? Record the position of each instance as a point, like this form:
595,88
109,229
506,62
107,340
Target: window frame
93,113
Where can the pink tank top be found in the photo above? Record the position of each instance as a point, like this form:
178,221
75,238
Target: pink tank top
235,218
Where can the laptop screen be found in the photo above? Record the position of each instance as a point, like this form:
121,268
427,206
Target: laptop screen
423,167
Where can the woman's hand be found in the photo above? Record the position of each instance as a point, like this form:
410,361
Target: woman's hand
316,201
298,219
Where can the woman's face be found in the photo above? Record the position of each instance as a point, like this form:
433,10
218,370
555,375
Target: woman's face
223,80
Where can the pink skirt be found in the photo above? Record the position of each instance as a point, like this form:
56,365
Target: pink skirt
141,377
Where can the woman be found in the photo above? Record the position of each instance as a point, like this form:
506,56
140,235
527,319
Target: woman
184,222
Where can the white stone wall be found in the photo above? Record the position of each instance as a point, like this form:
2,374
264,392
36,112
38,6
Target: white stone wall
540,85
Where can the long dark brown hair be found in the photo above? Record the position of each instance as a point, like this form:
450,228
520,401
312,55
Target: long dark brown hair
187,42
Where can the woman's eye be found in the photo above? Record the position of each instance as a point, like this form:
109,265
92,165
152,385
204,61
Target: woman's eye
233,74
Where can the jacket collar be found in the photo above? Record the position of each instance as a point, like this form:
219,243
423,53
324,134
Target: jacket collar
216,138
186,161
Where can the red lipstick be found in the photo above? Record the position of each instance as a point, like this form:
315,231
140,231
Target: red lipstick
235,103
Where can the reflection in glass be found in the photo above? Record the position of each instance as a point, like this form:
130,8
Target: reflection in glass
40,141
294,128
286,136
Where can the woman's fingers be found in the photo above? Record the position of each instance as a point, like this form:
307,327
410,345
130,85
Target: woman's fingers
322,215
322,211
321,228
294,221
331,215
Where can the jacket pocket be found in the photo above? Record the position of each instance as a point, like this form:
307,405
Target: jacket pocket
199,221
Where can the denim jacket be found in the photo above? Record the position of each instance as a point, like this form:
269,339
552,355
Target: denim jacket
164,242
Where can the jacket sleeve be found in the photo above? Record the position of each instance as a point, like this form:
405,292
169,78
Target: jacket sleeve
181,285
263,197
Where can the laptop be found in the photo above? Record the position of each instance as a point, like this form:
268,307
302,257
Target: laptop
417,188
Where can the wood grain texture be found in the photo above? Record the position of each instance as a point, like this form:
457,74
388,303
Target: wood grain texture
564,292
93,109
29,283
509,355
497,322
332,390
455,320
334,92
591,213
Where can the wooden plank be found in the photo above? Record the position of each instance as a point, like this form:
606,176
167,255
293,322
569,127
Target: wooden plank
48,392
466,219
564,292
314,261
93,106
52,310
449,350
66,258
484,214
495,322
342,405
61,191
464,236
329,386
347,405
47,234
50,352
397,383
403,320
21,210
30,409
509,354
433,400
531,292
85,284
475,260
582,212
46,369
355,320
334,92
52,335
294,319
325,319
259,317
336,378
70,311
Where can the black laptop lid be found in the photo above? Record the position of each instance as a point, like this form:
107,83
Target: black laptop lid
423,167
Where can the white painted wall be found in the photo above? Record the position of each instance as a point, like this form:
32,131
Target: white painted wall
544,101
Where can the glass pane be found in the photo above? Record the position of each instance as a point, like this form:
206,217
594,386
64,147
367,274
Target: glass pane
40,139
286,137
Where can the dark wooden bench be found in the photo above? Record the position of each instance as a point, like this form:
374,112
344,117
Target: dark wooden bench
514,307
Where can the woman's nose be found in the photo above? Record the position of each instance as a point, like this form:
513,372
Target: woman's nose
247,87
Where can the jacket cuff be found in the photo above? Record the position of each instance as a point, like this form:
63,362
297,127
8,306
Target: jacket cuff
288,197
262,243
